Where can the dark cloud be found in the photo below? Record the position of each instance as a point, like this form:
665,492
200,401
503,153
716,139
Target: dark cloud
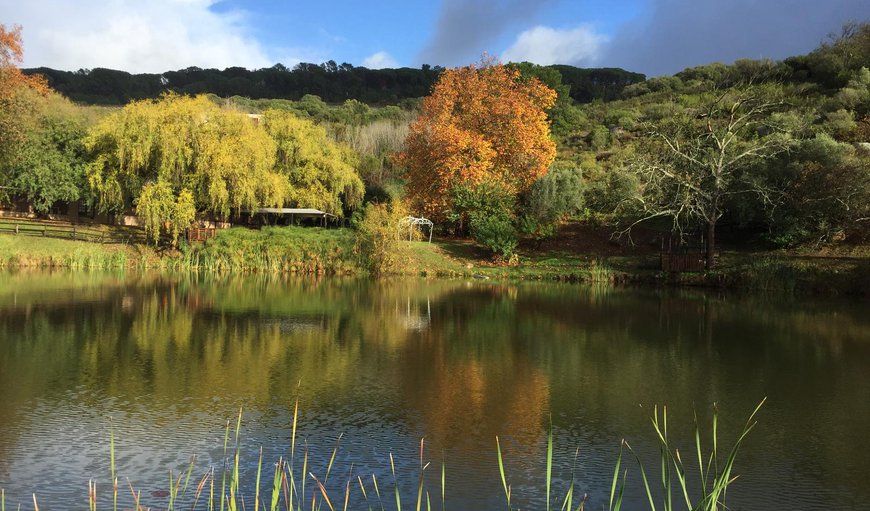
682,33
465,29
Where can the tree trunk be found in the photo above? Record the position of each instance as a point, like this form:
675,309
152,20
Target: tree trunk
711,244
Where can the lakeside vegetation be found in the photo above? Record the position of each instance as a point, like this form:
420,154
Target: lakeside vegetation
224,486
511,157
315,251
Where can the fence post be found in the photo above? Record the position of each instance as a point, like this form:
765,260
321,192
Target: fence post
16,228
44,229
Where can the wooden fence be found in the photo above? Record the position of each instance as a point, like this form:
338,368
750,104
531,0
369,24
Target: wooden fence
677,256
680,262
69,231
200,233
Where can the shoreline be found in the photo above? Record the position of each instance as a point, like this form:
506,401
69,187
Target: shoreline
452,259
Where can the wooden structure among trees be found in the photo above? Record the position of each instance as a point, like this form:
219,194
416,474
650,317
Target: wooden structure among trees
294,214
200,234
683,257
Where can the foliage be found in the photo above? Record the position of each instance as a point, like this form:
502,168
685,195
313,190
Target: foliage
333,84
321,172
17,104
376,143
487,209
377,239
496,233
182,143
827,195
161,209
51,158
695,160
481,123
556,195
834,62
156,153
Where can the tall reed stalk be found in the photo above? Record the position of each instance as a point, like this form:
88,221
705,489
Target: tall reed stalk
713,480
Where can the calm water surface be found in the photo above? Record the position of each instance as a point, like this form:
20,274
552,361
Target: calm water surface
166,362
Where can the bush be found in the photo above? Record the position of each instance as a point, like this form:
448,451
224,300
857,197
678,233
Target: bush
495,232
377,239
554,196
487,209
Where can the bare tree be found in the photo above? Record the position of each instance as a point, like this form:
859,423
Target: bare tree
697,158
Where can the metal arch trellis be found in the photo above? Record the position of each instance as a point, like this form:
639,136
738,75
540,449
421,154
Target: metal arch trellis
411,222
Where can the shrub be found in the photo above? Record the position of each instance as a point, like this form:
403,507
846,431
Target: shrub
554,196
495,232
487,209
377,239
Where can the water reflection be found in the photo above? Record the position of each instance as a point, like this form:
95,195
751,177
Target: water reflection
386,363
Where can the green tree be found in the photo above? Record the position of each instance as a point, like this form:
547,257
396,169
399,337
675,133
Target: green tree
695,160
488,210
18,104
50,165
377,239
826,195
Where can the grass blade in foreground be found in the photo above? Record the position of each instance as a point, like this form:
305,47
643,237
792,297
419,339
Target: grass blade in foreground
713,482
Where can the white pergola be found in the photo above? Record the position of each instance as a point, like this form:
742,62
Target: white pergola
411,222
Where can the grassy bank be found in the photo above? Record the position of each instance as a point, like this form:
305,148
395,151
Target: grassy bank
34,252
273,250
591,257
755,270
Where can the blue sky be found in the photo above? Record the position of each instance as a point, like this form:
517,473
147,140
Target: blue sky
651,36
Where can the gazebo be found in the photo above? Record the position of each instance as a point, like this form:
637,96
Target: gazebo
411,222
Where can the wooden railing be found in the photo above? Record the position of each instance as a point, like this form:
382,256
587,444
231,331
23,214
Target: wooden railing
680,262
200,233
678,256
69,231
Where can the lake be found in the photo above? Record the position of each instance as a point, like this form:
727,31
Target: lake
164,363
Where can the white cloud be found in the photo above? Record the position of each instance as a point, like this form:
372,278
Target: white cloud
542,45
133,35
379,60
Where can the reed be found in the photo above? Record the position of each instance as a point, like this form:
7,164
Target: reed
567,500
273,250
713,480
705,492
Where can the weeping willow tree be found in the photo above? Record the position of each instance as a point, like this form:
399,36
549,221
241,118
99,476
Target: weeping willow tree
321,172
178,155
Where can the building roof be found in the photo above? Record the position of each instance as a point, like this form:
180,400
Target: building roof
292,211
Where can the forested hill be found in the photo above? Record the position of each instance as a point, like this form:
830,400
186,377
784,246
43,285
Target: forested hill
332,82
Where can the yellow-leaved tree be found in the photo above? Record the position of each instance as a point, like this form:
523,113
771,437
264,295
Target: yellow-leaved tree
178,155
322,173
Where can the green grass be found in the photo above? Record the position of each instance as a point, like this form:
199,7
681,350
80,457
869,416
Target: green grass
24,251
274,250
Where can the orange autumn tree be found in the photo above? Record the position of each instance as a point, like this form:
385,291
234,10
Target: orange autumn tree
11,56
482,123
